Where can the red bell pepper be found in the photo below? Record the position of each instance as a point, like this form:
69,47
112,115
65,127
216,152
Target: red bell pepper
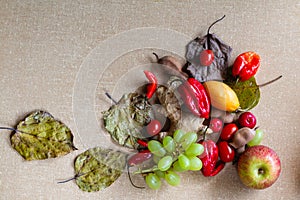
246,65
209,158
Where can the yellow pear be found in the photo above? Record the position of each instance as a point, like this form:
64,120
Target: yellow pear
222,96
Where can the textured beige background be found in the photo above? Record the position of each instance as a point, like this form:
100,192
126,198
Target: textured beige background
44,43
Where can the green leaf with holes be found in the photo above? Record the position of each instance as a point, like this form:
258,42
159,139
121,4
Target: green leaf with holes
39,136
247,91
98,168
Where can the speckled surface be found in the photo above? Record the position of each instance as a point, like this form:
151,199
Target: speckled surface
45,46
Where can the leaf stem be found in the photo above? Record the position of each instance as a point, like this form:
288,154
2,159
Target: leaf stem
269,82
110,97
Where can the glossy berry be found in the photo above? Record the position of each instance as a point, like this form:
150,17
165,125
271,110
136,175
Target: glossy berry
226,152
228,131
247,119
206,57
215,125
154,127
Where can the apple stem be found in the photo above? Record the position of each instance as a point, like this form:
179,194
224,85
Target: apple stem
269,82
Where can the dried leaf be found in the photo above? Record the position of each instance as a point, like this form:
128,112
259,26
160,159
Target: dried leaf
171,105
247,92
98,168
40,136
217,70
125,120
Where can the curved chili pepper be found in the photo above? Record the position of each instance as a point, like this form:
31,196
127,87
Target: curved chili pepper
152,86
139,157
142,143
246,65
195,97
209,158
189,99
201,95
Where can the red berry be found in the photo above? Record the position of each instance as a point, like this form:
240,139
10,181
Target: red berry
154,127
226,152
247,119
206,57
228,131
215,125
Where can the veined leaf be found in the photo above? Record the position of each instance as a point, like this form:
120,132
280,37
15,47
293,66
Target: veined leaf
247,91
98,168
125,120
40,136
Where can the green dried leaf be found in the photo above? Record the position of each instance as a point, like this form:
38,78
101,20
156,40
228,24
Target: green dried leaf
247,91
125,120
98,168
40,136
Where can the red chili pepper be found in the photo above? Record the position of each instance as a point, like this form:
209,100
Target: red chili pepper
195,97
189,99
139,157
151,87
246,65
209,158
202,97
142,143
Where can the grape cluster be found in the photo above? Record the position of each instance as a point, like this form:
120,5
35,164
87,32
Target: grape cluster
175,154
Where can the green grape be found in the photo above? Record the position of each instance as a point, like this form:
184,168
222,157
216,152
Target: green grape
195,163
184,161
176,167
194,150
172,178
169,144
165,163
160,174
178,135
156,148
188,139
153,181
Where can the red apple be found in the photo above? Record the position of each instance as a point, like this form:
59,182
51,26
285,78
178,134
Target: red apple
247,119
259,167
